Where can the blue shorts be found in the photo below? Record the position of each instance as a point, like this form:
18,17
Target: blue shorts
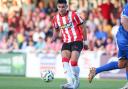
122,42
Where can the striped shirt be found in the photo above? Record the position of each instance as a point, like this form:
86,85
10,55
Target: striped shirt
69,26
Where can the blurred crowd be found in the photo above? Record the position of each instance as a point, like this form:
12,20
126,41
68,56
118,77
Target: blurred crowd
26,26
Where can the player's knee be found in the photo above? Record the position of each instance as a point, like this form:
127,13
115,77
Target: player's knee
122,63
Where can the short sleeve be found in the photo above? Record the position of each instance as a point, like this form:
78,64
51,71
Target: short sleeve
125,11
77,18
54,24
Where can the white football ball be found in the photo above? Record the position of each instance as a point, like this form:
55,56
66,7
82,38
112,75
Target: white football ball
47,75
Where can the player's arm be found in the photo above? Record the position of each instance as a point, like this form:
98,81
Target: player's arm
81,23
56,30
56,33
85,41
84,31
124,22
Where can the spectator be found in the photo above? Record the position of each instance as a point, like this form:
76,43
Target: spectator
15,7
106,10
100,34
42,7
27,6
41,44
58,45
37,34
49,45
3,43
51,7
99,45
116,12
107,28
30,47
28,23
90,23
3,7
21,37
110,47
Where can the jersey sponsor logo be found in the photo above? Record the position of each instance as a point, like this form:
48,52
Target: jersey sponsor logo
68,25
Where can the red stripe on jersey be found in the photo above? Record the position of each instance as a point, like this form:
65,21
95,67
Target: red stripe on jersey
64,32
77,19
69,29
54,23
78,29
68,26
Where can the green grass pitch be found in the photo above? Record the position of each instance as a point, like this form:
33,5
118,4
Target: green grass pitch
37,83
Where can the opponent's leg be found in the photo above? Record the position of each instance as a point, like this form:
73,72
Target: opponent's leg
93,71
126,85
110,66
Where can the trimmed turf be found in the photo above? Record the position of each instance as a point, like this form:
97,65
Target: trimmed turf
37,83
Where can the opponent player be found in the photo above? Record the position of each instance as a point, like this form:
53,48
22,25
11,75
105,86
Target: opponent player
73,34
122,42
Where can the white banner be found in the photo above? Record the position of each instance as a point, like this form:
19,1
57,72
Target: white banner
41,62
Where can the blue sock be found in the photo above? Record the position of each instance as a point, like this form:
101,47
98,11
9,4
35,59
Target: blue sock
107,67
127,74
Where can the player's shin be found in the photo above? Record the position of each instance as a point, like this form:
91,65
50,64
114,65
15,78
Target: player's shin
67,70
75,68
76,71
107,67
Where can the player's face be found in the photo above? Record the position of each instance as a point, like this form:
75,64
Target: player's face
62,8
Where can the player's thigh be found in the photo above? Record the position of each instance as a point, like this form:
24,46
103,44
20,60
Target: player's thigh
76,49
66,50
66,54
122,63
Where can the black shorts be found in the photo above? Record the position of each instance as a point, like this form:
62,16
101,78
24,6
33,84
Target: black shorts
73,46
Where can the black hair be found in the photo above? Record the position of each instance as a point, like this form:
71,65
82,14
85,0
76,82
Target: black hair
62,2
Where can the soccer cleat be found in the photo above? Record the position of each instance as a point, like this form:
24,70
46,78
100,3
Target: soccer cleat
76,82
125,86
67,86
92,74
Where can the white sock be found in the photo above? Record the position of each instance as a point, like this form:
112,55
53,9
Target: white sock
68,72
75,71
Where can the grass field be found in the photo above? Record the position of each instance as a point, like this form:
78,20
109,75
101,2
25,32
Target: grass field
36,83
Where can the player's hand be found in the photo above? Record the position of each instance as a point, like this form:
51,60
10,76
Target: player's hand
85,45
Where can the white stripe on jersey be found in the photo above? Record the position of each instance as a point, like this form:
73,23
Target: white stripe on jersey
72,28
66,29
58,21
81,21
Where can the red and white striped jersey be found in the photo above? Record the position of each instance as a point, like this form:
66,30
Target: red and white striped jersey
69,26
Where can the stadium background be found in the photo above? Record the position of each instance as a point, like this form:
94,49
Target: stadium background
25,38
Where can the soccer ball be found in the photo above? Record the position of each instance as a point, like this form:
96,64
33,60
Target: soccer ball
47,75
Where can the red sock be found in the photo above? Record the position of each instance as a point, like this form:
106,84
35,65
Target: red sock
64,59
74,63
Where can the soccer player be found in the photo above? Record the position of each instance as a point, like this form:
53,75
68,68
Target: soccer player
71,27
122,42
